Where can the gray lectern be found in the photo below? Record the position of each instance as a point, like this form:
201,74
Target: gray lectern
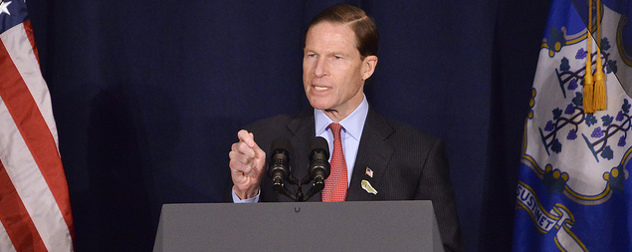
301,226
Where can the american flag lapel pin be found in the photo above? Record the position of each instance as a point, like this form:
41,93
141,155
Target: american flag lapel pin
369,172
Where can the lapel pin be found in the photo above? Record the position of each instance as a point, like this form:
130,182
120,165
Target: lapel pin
369,172
367,187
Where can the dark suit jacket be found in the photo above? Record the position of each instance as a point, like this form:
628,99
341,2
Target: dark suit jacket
407,164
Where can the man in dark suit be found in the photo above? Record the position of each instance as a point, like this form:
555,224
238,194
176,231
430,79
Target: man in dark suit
389,160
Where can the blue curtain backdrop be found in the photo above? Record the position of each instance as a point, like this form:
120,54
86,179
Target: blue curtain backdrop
149,95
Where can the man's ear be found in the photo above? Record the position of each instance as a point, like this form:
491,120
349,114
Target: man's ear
368,66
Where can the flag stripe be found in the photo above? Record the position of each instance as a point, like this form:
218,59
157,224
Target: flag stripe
29,148
28,28
5,242
16,220
20,48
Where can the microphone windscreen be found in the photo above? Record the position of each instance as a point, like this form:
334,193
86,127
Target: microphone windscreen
281,143
319,143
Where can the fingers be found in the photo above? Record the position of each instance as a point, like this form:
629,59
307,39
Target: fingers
241,158
246,137
242,152
238,161
260,157
246,157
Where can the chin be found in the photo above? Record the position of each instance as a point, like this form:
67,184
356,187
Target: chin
317,104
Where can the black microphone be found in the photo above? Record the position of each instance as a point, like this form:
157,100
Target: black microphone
279,160
319,168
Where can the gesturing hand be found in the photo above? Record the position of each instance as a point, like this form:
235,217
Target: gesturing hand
247,165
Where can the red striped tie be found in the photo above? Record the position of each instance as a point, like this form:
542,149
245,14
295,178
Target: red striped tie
336,184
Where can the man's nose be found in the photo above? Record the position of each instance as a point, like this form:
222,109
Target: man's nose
321,68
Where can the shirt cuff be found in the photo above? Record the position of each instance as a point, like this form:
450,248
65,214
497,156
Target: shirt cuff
254,199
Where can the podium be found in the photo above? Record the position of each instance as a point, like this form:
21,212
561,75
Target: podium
299,226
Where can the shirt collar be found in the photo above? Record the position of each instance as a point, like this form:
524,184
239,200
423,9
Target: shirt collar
352,124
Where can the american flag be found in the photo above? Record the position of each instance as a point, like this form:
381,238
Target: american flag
34,202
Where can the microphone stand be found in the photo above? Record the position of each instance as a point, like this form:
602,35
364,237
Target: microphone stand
317,186
279,187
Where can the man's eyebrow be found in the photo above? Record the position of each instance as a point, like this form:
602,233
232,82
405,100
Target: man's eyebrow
337,53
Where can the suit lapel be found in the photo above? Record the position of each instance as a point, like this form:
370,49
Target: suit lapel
374,153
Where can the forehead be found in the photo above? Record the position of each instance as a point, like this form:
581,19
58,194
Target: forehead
327,35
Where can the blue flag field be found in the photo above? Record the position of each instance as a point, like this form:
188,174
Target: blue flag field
574,191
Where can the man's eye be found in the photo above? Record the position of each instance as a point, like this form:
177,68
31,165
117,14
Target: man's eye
337,57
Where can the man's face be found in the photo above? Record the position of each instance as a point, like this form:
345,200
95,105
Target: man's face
333,71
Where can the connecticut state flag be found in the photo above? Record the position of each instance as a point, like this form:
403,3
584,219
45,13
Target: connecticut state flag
574,192
34,203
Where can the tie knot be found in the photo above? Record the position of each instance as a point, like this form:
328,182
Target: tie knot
335,128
